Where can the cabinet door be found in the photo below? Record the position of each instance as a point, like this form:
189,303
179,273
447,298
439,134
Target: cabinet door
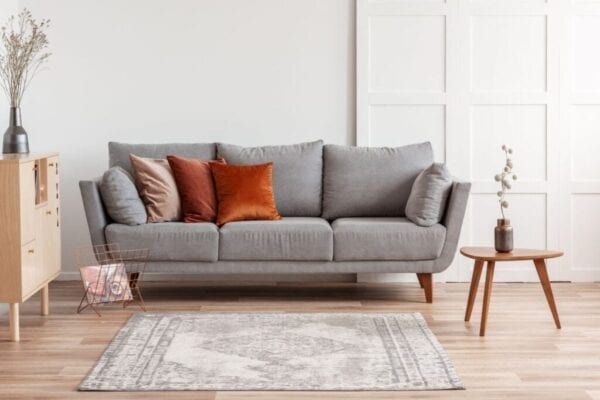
52,171
27,189
30,269
51,222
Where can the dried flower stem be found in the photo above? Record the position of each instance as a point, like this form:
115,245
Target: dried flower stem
22,53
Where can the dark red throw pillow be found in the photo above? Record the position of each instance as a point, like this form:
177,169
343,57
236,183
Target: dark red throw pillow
196,188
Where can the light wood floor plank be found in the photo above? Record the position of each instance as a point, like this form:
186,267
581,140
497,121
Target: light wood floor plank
523,356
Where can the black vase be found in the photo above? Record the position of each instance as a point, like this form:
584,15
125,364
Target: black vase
15,137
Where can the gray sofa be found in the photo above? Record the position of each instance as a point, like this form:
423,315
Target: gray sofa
342,208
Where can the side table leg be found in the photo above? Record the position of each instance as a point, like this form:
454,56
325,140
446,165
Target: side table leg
45,305
540,266
473,290
489,279
13,321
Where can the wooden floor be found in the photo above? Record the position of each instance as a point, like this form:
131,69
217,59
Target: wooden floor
522,357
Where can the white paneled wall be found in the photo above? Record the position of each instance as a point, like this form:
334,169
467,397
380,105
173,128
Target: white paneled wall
470,75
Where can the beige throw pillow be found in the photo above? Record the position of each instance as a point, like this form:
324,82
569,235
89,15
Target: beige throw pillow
157,187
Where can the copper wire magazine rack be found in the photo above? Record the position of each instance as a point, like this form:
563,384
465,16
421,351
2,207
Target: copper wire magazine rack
111,275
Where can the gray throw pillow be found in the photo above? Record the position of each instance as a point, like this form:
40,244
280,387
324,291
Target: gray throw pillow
121,198
427,200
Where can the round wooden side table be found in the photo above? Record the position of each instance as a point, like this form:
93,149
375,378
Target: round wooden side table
489,255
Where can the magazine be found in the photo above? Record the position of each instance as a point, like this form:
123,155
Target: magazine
106,283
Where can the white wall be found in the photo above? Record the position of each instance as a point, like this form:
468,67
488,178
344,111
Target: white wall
470,75
247,72
7,8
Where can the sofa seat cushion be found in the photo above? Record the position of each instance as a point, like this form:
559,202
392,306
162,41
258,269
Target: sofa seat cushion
385,239
168,241
291,238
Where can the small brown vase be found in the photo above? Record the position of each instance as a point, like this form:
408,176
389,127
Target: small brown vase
503,236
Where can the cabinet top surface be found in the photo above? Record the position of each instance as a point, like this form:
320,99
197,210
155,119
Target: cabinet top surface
19,158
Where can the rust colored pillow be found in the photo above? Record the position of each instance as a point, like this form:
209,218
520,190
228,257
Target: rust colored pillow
157,187
196,188
244,192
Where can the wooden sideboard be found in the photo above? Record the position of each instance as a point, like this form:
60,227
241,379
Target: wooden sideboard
30,255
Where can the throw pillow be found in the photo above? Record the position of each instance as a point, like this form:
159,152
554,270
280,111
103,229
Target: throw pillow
157,188
427,200
196,188
121,199
244,192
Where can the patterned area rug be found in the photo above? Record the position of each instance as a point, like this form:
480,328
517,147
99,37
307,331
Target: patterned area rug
274,351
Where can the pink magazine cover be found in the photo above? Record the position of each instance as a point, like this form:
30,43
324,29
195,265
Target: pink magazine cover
105,283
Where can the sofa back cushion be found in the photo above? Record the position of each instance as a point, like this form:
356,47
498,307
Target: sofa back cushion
297,173
118,153
371,181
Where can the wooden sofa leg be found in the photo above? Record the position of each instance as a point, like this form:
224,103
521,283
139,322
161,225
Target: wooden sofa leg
420,278
426,282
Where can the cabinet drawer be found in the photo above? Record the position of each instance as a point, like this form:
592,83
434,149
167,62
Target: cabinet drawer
30,268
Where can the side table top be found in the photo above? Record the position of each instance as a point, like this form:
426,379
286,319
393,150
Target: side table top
490,254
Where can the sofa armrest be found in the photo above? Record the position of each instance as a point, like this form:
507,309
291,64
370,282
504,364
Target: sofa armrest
453,220
96,215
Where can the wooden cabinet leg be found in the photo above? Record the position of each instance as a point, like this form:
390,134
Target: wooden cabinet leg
426,281
473,290
540,266
489,279
13,321
45,304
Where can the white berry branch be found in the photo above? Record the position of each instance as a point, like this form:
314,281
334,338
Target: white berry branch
504,179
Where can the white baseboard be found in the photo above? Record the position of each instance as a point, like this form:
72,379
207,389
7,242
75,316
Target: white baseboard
162,276
386,278
362,277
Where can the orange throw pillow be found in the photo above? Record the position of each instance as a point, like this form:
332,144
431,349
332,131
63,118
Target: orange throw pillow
196,188
244,192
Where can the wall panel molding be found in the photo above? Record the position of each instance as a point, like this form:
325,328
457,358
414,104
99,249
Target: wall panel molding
524,72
